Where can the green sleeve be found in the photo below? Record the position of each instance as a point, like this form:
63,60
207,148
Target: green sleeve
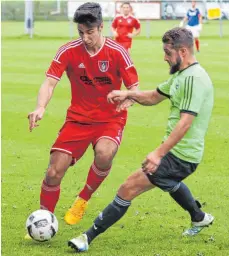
192,95
164,88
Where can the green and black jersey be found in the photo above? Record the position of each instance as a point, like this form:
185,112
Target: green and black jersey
190,91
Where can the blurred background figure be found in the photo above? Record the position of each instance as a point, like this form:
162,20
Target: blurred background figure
194,23
125,26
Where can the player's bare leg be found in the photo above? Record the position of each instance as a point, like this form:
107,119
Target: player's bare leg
105,151
50,189
197,44
135,185
59,164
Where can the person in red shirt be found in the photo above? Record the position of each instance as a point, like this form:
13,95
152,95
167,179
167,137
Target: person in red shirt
125,26
95,66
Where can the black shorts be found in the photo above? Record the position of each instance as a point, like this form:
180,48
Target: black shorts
171,172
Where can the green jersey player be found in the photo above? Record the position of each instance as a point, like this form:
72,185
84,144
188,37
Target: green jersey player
190,92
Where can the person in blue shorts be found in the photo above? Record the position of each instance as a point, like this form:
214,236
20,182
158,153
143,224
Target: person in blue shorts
193,19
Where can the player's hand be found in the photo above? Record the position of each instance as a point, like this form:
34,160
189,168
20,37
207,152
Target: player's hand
117,96
115,34
130,35
151,163
200,27
123,105
34,117
181,24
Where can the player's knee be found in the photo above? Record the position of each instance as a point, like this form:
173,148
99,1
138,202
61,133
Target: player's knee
54,173
104,157
127,188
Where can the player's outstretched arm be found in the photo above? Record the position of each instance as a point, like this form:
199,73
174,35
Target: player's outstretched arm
146,98
136,32
44,96
183,22
123,105
200,22
114,32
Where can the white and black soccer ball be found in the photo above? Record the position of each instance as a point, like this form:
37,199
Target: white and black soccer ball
42,225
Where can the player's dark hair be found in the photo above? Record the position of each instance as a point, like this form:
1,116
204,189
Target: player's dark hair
89,14
178,37
128,3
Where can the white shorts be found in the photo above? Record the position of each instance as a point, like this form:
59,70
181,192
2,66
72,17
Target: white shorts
195,30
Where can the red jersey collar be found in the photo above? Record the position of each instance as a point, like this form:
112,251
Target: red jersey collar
92,55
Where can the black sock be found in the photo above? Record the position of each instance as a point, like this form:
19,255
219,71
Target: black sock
185,199
112,213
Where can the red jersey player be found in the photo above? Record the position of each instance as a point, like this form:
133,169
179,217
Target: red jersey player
125,26
95,66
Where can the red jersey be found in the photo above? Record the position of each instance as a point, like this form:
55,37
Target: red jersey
124,26
92,77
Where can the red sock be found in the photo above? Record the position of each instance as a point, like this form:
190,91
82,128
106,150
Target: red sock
197,43
95,177
49,196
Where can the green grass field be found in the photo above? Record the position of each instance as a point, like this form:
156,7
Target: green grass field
154,223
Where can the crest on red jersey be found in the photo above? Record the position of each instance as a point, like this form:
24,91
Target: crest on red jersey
103,65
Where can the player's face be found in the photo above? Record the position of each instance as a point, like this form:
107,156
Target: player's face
90,35
126,9
172,57
193,4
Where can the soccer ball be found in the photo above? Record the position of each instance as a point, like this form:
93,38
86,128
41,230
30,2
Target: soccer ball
42,225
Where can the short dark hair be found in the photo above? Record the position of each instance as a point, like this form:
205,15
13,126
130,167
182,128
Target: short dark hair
89,14
178,37
125,3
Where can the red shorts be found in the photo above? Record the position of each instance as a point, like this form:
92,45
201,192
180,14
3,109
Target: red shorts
74,138
126,45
